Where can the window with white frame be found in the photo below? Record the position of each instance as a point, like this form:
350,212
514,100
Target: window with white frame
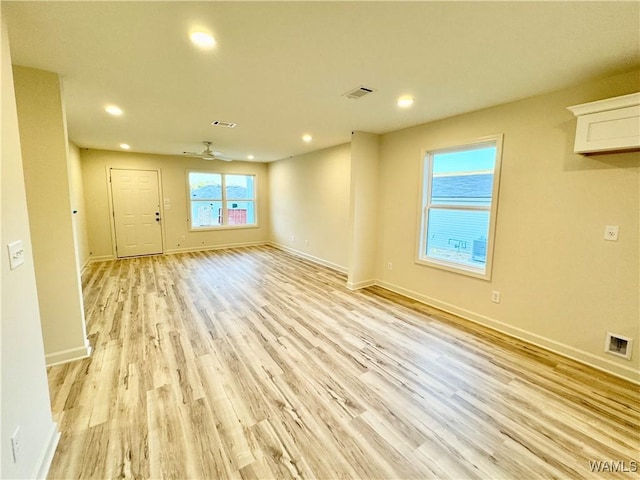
459,205
221,200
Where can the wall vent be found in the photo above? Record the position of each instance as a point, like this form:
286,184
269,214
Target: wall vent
359,92
618,345
218,123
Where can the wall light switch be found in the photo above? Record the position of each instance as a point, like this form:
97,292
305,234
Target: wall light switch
611,233
16,254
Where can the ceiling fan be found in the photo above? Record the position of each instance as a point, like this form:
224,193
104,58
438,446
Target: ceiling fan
208,154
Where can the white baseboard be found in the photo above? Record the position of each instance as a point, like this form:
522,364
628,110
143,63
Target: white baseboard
320,261
361,284
70,355
100,258
46,455
171,251
581,356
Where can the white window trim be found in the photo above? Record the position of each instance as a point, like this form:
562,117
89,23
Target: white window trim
223,200
423,212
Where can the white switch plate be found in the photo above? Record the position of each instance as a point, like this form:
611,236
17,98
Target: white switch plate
16,444
16,254
611,232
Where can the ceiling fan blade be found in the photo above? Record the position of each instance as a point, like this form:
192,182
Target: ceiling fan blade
208,154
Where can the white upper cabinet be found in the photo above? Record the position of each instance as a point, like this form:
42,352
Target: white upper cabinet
608,125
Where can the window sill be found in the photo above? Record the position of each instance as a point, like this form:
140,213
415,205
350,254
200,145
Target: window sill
223,227
456,268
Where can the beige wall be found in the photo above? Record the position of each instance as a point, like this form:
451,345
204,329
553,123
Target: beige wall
562,285
44,144
309,199
363,234
95,164
25,394
79,213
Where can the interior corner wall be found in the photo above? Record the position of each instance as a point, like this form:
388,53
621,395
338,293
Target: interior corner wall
363,223
43,140
563,287
78,210
25,394
309,202
175,201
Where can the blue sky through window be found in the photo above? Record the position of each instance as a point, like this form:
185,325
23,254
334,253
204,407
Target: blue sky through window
480,159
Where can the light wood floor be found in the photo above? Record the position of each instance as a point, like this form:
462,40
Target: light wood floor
252,363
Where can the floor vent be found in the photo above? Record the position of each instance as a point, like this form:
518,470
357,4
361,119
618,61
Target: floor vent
218,123
359,92
618,345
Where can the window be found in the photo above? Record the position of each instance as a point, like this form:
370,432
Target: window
221,200
459,204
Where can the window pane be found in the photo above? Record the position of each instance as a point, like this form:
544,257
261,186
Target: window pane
458,236
239,186
241,213
206,214
205,186
463,177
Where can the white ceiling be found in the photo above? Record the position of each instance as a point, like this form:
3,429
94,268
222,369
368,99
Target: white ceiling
280,68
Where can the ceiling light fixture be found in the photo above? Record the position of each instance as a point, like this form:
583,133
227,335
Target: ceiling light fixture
125,146
307,138
113,110
250,157
405,101
202,40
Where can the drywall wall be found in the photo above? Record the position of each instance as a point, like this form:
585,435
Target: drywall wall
309,199
25,393
562,285
78,211
363,218
43,140
173,174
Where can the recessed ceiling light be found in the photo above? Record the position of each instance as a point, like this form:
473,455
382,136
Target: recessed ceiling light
405,101
307,138
202,40
125,146
250,157
113,110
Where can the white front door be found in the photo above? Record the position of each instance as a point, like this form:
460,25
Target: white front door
136,212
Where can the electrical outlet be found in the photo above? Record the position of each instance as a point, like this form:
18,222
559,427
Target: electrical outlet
182,238
496,296
611,233
389,266
16,444
306,243
293,238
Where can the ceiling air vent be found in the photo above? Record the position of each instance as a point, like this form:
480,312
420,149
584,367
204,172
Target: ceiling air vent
218,123
359,92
